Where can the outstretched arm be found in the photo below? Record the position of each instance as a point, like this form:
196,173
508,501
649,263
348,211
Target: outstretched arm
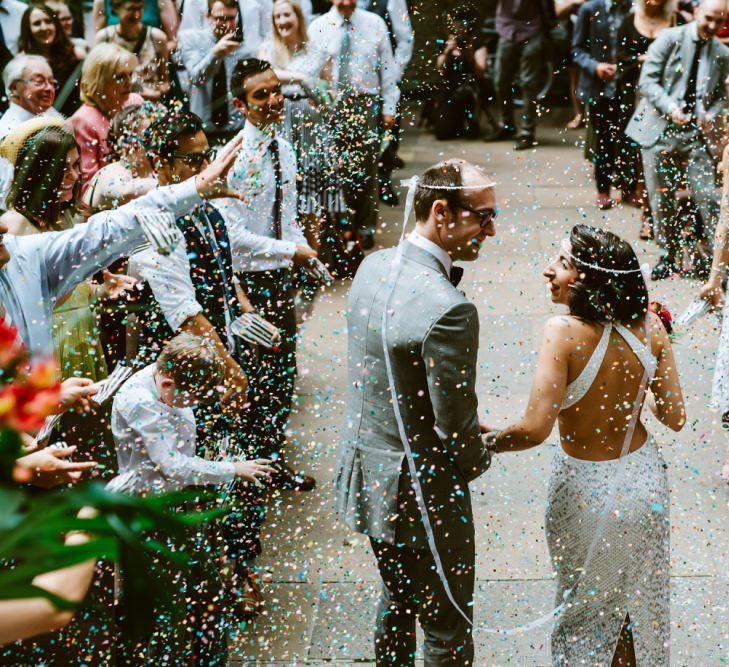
548,389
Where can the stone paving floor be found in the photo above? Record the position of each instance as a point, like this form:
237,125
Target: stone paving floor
320,604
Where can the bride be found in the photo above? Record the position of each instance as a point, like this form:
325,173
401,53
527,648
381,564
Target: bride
607,518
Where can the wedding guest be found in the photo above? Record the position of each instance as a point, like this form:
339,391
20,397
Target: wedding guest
129,173
10,19
106,87
256,23
523,26
154,428
566,14
637,32
42,34
365,75
594,51
713,291
396,15
65,18
673,123
305,73
31,90
209,55
157,14
266,240
151,75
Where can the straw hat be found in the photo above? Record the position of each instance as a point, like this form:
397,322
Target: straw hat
15,140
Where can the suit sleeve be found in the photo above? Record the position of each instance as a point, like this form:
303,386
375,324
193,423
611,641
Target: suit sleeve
719,95
581,53
650,84
450,352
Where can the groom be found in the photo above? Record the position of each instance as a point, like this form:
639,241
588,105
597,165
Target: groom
432,335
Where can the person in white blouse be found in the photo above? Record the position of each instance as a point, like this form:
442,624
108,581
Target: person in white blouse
11,11
265,237
154,430
365,74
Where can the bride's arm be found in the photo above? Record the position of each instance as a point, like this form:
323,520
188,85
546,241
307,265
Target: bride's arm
666,387
547,392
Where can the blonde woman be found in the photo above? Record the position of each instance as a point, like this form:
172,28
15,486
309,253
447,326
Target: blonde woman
304,73
106,87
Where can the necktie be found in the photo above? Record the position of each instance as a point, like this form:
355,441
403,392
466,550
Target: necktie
456,275
345,55
220,98
276,159
689,98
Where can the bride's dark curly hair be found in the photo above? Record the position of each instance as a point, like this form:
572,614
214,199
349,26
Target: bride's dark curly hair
600,295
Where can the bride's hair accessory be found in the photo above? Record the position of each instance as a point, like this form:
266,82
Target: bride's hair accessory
597,267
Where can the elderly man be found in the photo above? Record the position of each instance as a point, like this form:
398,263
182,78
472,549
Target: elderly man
31,90
682,94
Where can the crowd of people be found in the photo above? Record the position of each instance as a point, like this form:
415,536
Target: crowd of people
171,179
177,181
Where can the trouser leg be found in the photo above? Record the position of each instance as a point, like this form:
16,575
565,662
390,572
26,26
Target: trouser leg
272,295
604,117
356,135
395,642
508,54
662,177
701,177
531,68
411,587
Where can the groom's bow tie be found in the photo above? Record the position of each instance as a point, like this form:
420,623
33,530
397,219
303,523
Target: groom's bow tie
456,275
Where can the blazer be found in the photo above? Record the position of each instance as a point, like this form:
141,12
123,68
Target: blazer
663,80
591,46
433,338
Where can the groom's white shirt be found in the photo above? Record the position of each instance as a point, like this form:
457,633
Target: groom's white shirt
433,249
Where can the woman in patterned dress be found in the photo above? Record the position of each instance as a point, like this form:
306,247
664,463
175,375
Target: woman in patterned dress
607,516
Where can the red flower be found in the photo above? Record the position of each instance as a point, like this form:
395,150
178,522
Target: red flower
665,315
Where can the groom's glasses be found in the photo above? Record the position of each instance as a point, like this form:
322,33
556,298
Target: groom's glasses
485,217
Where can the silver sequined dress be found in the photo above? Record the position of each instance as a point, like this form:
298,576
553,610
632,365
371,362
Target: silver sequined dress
629,572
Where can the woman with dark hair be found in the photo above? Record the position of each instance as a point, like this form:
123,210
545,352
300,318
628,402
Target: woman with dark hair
607,513
43,198
41,33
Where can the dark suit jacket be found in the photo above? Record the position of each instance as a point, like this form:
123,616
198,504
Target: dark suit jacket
591,46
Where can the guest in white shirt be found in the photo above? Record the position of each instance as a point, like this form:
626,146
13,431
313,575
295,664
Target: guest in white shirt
209,55
195,17
365,74
154,430
266,239
11,11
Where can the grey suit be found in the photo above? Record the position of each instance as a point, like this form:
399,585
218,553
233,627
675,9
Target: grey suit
671,153
433,338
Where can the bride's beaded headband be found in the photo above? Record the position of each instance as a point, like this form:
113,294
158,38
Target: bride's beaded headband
597,267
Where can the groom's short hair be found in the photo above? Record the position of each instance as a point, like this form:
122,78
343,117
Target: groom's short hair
441,181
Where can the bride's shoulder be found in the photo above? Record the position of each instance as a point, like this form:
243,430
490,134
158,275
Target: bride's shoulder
564,331
564,323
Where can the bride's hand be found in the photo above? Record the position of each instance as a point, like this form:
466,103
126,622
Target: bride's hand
485,428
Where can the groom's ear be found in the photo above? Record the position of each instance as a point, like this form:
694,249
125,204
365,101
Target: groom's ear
440,208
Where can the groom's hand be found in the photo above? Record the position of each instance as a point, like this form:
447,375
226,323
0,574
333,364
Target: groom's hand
485,428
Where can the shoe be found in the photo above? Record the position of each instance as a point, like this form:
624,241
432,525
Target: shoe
576,123
244,599
603,201
524,143
664,269
388,194
503,133
287,479
646,227
632,199
367,239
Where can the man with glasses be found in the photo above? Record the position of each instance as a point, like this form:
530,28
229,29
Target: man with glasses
209,55
426,362
31,89
195,290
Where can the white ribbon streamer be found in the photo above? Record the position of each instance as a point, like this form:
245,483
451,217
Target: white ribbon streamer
412,468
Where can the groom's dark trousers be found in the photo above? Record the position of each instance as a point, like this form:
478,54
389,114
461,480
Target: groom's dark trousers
412,592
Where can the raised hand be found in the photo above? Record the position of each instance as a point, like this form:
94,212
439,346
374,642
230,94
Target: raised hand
75,393
254,471
49,467
212,182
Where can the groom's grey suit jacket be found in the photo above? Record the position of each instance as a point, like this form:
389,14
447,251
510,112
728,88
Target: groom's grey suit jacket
433,338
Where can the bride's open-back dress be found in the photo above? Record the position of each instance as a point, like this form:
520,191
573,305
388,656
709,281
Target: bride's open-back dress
629,571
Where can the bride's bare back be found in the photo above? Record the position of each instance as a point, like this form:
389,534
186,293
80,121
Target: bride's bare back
594,427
